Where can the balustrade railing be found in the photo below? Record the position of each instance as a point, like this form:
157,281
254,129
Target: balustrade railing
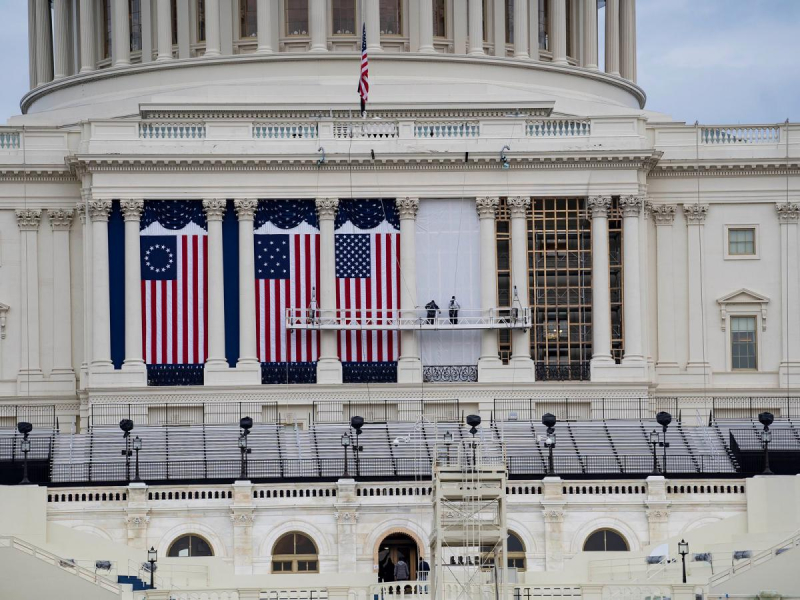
447,129
558,128
755,134
365,129
285,131
172,131
9,140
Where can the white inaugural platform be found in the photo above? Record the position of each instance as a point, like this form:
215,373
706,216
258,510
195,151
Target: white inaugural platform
396,319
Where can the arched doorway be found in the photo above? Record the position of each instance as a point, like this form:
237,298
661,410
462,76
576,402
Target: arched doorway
392,548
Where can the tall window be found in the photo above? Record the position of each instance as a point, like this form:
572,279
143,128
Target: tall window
190,545
544,25
174,14
439,18
295,553
516,552
296,17
509,21
135,12
569,28
201,20
391,17
248,23
107,28
743,343
344,16
605,540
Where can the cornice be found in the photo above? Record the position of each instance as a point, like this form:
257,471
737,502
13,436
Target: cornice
725,168
43,174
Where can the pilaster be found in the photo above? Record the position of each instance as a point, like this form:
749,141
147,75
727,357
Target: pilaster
697,366
137,516
553,503
99,211
346,517
30,372
657,509
242,519
664,216
789,369
60,223
329,367
633,367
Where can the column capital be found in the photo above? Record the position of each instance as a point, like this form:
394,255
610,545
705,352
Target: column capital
131,209
407,207
631,205
788,212
99,210
695,213
518,205
326,208
553,515
245,208
61,218
28,219
664,214
487,207
214,208
599,205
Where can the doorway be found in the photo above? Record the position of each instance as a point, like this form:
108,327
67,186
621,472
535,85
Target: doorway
391,549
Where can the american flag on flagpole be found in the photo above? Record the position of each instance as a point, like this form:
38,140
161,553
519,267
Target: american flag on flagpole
363,80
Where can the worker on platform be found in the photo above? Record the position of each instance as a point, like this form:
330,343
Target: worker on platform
432,309
453,308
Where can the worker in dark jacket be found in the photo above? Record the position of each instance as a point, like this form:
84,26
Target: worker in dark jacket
401,570
432,309
454,306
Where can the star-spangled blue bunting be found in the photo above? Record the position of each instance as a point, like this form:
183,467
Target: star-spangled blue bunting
368,214
173,214
286,214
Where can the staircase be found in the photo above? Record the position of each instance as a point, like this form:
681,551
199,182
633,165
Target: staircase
137,584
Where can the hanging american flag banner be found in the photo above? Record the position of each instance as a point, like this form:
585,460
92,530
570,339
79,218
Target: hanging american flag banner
174,255
367,276
287,276
363,80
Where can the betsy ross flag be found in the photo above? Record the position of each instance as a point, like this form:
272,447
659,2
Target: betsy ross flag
363,80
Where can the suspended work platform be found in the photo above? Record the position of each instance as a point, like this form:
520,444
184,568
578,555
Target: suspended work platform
395,319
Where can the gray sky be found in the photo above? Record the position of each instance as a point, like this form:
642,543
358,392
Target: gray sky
716,61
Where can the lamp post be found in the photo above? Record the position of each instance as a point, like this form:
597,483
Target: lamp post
152,558
25,428
664,419
654,444
245,423
126,425
357,423
448,440
766,419
683,550
137,445
345,445
549,421
473,421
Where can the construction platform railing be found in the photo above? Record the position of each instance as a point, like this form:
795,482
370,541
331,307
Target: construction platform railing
413,319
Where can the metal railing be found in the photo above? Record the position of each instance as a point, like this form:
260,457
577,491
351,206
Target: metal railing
748,407
574,371
377,411
198,413
583,409
632,464
38,415
749,440
450,373
394,319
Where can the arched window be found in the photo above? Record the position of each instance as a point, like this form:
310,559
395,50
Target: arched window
190,545
605,540
516,552
295,553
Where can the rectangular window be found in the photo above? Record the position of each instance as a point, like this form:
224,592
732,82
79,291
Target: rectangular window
201,20
344,17
296,17
509,21
248,23
391,17
743,343
742,241
439,18
135,15
174,14
544,25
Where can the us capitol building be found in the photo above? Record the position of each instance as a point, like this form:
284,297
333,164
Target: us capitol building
505,334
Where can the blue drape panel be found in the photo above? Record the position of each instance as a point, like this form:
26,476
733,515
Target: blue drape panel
116,281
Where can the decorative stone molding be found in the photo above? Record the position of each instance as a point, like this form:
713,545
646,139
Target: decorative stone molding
487,207
214,208
407,207
241,518
245,208
664,214
788,212
599,205
553,515
695,213
80,210
28,219
60,218
326,208
99,210
647,206
4,308
742,301
518,206
631,205
345,517
131,209
657,515
137,521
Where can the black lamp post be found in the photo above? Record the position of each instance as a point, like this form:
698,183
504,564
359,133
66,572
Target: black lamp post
766,419
345,445
245,423
664,419
137,445
473,421
683,550
549,421
448,440
25,428
357,423
152,558
127,426
654,444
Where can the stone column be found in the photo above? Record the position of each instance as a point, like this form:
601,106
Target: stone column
601,284
318,17
215,209
137,516
520,338
372,19
632,288
248,355
553,503
489,362
60,222
99,211
87,35
627,46
132,214
122,34
695,219
212,27
521,29
242,519
28,220
409,365
164,18
63,38
498,12
664,215
329,367
426,26
558,31
789,370
147,31
589,8
475,28
533,28
44,43
612,37
263,14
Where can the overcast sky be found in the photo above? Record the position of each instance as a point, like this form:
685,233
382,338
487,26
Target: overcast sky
716,61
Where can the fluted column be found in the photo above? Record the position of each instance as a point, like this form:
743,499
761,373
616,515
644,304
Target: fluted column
44,45
601,283
318,17
490,356
212,27
63,38
263,16
627,45
612,37
246,212
589,8
122,33
99,211
520,338
164,30
87,35
632,289
409,367
695,220
426,26
132,214
475,27
789,217
558,31
664,215
329,367
521,29
61,222
28,220
215,209
373,22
